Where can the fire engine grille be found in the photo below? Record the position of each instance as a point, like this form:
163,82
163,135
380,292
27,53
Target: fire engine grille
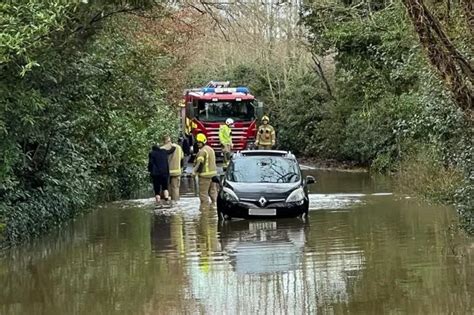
239,135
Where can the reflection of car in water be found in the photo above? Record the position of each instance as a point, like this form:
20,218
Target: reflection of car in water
272,267
263,246
263,183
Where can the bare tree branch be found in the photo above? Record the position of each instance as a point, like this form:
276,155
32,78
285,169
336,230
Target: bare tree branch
454,69
320,72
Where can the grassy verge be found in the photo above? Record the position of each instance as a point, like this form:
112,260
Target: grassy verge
424,175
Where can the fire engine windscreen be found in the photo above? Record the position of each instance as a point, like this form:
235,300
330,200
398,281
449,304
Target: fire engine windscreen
221,110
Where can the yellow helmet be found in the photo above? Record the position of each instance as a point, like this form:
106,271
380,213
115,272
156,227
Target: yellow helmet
265,117
201,138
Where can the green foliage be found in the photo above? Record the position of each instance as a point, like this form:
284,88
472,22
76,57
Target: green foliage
77,127
374,71
389,109
26,25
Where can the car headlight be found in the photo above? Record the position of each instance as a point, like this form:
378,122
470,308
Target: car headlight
296,195
229,195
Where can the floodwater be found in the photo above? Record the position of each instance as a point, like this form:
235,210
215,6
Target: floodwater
363,250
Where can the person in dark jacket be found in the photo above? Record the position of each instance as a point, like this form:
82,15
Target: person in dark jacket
183,141
160,172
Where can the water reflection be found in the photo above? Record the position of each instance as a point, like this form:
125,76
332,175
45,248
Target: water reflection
364,252
270,269
262,247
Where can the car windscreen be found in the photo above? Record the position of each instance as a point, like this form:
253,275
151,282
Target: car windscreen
263,169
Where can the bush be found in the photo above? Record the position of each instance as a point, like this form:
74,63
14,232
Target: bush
77,127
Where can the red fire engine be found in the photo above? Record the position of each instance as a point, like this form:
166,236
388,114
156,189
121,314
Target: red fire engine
205,109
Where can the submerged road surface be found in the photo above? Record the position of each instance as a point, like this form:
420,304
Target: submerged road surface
363,250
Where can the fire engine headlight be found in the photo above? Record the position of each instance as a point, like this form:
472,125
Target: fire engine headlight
296,195
229,195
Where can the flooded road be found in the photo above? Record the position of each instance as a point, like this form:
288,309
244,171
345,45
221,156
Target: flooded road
363,250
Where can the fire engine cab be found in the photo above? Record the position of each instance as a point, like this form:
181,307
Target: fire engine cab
205,109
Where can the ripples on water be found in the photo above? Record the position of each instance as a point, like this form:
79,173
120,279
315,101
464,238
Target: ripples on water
363,251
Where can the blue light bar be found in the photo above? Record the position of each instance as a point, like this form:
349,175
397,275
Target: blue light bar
240,89
208,90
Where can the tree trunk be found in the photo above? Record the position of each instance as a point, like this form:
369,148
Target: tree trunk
455,70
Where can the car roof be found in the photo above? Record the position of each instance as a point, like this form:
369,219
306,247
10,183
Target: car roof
286,154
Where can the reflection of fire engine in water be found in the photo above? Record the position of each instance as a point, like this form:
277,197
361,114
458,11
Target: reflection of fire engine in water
205,109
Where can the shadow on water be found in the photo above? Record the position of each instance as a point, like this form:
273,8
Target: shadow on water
363,250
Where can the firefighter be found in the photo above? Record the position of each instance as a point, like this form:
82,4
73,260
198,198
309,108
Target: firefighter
188,135
266,135
225,138
176,163
205,169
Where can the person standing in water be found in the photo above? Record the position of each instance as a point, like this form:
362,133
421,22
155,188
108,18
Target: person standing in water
176,163
158,167
205,169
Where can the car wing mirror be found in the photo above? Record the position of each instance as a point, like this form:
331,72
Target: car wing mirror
310,180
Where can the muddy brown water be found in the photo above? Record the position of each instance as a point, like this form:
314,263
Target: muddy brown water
363,250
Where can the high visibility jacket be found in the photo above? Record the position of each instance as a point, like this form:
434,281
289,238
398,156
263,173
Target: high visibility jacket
206,162
225,134
190,125
175,159
266,135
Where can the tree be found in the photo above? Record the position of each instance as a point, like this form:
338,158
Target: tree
455,69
